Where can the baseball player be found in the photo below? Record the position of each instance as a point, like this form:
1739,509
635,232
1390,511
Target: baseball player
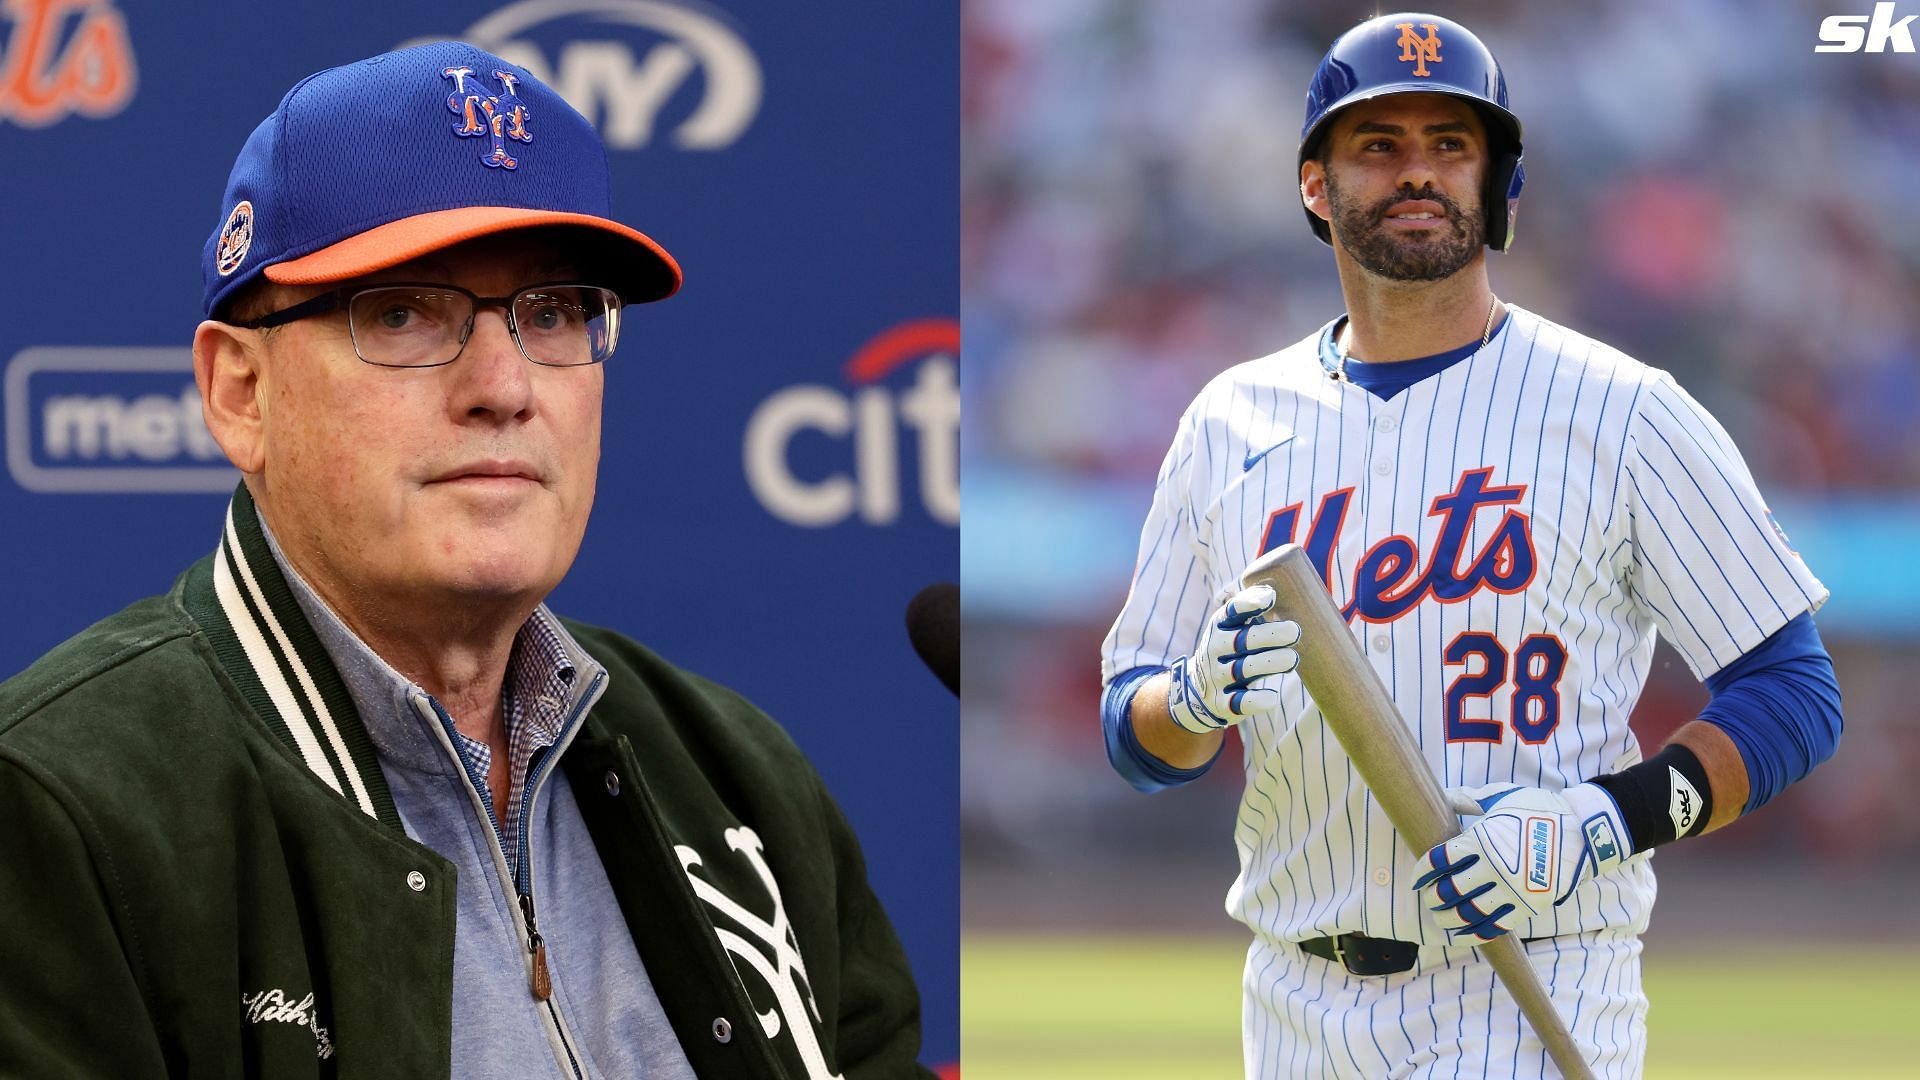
1507,512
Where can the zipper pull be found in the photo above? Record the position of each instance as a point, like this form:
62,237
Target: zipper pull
542,983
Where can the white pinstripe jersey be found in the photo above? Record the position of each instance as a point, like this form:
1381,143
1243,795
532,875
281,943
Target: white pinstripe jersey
1507,536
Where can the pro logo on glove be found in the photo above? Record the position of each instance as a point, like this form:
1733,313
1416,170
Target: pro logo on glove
1683,803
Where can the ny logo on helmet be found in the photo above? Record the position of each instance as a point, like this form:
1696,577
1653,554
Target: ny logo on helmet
505,115
1418,50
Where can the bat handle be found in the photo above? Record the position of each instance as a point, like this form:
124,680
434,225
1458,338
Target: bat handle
1509,960
1360,712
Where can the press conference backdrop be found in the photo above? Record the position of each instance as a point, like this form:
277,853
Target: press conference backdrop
780,454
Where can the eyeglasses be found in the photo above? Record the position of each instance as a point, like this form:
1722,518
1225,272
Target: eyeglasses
406,324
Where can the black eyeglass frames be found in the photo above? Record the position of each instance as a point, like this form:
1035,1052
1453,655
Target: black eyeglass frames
423,324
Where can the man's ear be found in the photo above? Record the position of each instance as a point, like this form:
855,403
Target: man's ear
1313,190
226,365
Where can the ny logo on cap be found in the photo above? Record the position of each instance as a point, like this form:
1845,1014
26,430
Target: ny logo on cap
1418,50
499,116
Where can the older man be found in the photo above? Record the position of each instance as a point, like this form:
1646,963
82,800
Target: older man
350,800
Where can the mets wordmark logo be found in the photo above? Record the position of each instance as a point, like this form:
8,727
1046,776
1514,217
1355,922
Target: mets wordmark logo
1417,50
59,58
774,955
497,117
1389,581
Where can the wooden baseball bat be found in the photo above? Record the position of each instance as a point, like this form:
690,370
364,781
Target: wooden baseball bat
1362,716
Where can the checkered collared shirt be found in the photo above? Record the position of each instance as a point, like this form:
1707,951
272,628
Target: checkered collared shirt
533,698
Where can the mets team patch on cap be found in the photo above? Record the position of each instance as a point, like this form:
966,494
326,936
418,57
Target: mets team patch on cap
236,236
494,117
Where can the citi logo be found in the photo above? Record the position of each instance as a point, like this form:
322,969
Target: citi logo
62,57
624,63
1870,33
817,456
109,421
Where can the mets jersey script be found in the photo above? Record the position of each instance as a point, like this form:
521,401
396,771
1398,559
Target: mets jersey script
1506,537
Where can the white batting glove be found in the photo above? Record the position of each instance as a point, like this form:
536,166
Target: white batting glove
1226,680
1529,851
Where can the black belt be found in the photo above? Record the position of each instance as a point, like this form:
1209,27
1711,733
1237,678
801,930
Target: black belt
1363,955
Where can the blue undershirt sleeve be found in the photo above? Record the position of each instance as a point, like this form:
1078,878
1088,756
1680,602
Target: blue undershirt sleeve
1780,704
1131,760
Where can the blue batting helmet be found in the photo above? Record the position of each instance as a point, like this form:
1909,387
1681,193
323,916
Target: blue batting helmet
1412,53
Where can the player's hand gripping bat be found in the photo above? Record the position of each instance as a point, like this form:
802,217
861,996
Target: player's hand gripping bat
1361,715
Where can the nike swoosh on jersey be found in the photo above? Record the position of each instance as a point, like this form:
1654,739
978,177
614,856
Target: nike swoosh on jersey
1254,459
1488,802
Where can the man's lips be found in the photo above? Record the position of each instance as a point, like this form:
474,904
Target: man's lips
488,471
1416,212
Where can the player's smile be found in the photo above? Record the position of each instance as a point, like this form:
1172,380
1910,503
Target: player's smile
1416,214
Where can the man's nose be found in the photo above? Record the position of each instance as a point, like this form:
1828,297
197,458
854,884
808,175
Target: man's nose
492,375
1417,169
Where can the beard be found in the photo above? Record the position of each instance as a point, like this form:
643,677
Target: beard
1405,256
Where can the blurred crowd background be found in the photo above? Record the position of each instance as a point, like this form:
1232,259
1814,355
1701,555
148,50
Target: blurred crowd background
1704,192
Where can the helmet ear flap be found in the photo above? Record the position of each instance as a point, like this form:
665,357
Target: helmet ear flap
1505,177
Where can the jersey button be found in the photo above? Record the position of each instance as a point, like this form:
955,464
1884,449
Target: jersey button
1385,423
1382,467
1380,643
1381,876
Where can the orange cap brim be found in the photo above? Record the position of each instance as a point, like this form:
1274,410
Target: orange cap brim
396,242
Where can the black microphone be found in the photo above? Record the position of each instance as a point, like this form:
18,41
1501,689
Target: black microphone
933,625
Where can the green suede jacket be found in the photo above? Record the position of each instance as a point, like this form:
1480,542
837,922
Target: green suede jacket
202,873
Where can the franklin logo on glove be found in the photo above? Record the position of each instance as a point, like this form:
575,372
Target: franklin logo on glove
1476,883
1540,843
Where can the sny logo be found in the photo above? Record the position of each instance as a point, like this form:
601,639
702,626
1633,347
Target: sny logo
1852,33
642,71
1418,50
506,115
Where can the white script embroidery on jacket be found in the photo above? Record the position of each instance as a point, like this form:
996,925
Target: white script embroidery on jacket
785,972
273,1007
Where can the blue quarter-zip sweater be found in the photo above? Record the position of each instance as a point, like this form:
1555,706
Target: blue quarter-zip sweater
604,1018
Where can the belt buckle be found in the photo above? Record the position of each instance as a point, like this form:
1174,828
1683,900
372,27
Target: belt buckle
1340,952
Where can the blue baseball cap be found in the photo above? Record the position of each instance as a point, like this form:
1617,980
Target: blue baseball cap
366,166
